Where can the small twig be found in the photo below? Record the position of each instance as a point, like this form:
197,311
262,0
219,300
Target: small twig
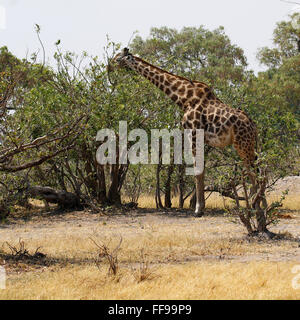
111,257
291,2
38,29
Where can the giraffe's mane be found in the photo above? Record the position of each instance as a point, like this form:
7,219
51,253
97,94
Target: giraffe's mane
180,77
171,74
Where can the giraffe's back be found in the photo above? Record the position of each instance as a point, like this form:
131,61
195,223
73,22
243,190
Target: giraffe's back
223,126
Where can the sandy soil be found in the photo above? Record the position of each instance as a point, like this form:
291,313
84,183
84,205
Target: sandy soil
291,183
207,231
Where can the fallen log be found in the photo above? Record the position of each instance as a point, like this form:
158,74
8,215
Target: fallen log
64,199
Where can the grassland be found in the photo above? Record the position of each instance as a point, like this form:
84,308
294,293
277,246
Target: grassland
163,255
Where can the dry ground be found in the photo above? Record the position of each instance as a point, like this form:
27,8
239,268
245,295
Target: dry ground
189,258
163,255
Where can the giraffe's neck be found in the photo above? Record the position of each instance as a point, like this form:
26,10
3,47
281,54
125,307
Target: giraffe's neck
182,91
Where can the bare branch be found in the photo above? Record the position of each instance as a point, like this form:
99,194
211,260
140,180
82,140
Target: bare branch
291,2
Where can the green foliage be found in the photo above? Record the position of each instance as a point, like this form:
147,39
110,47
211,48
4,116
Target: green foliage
193,52
283,75
45,99
286,40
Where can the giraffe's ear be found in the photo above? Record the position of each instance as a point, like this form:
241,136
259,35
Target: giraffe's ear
125,51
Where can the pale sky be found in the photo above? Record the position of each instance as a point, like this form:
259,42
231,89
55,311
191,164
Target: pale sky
82,25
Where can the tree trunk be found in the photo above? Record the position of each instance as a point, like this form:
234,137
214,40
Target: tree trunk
65,200
181,186
158,201
168,202
193,201
101,185
200,194
114,196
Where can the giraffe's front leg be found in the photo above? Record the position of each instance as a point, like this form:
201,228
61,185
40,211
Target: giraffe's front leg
200,198
197,143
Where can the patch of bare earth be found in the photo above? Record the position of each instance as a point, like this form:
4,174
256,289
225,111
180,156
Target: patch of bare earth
167,237
162,255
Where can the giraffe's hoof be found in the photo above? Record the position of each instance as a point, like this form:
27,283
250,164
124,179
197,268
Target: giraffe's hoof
199,210
198,214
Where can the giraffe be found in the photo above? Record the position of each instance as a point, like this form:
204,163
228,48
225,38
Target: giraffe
222,124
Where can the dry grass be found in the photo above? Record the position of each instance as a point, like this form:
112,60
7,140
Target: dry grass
162,256
255,280
143,271
163,239
215,201
292,202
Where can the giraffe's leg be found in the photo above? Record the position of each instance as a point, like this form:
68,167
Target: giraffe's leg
199,174
200,198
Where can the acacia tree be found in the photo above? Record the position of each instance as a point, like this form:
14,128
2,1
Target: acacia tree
88,98
30,132
283,61
272,99
18,79
286,41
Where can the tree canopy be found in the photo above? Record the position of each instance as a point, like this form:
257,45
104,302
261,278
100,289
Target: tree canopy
49,116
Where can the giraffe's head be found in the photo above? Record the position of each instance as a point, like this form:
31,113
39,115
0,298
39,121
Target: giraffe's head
121,60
